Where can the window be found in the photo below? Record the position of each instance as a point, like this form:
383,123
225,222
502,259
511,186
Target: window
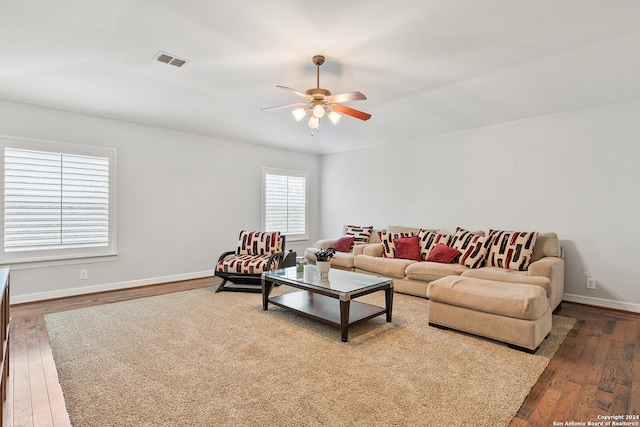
58,201
285,202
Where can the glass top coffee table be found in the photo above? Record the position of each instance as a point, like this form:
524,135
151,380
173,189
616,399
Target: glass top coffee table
318,295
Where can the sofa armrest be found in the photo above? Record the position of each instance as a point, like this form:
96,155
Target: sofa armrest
373,249
326,243
544,266
553,268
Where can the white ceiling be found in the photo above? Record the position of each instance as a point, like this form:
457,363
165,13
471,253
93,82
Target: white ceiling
426,66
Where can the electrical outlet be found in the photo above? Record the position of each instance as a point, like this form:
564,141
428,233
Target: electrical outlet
84,274
591,283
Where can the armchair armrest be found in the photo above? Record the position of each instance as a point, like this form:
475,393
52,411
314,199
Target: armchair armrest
224,255
277,255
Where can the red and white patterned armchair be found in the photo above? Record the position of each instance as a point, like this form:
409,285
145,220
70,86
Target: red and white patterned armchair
257,251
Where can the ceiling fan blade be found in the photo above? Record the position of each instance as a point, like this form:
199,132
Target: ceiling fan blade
346,97
295,104
350,111
297,92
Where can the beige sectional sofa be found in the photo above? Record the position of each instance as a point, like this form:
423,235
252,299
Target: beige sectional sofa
500,303
412,277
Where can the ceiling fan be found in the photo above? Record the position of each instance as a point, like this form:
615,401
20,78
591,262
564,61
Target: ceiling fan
320,102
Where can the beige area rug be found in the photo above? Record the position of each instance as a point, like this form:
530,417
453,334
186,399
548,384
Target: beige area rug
198,358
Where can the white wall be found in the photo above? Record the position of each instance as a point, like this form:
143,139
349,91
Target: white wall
181,199
575,173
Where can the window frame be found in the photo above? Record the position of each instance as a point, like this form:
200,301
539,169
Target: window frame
291,237
60,255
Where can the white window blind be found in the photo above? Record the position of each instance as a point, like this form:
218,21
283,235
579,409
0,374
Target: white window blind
55,201
285,202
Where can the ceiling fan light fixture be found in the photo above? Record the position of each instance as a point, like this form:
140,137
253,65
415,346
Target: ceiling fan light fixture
314,122
299,113
318,111
334,117
320,102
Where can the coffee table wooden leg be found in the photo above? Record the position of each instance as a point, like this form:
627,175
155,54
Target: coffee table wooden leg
388,296
344,319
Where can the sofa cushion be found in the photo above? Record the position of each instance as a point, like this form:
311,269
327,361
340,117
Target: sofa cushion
427,271
372,250
386,238
359,249
429,239
521,302
389,267
407,248
511,249
473,247
246,264
443,254
342,260
360,234
374,238
509,276
344,244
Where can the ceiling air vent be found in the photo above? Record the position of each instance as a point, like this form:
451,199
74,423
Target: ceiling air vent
170,59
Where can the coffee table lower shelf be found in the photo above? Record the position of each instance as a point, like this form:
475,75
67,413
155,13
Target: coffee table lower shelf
324,308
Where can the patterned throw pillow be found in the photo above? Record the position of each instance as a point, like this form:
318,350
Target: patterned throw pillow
474,247
360,234
511,249
429,240
259,243
389,249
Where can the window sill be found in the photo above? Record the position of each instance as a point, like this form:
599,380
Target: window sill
297,239
32,264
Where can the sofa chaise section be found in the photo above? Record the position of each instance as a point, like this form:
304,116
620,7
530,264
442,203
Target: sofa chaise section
518,315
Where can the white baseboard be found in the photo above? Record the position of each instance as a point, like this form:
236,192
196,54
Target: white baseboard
601,302
41,296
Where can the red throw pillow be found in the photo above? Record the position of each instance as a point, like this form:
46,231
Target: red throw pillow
443,254
344,244
407,247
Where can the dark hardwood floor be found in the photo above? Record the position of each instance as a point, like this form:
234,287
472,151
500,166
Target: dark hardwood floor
596,370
